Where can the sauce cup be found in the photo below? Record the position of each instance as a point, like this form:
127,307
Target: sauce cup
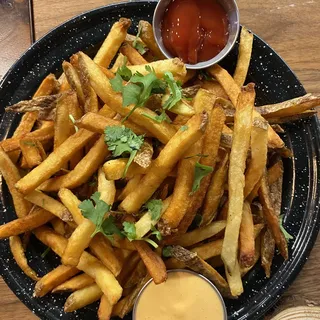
185,295
231,8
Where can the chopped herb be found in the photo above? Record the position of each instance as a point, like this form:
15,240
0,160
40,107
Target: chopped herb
167,251
198,155
44,253
124,71
200,171
73,120
116,83
137,44
122,140
184,128
175,91
158,118
156,232
154,207
284,231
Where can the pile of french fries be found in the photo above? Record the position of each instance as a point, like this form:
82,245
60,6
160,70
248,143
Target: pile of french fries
58,157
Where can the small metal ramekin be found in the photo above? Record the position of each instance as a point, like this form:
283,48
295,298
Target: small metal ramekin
234,25
187,271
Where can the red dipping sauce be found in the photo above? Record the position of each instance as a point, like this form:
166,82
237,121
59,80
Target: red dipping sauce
195,30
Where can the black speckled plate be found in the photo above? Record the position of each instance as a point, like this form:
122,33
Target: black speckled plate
275,82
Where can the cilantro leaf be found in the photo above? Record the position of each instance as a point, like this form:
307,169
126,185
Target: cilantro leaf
156,232
284,231
131,94
109,228
184,128
116,83
124,71
122,140
167,251
129,230
137,44
158,118
154,207
200,171
175,91
95,211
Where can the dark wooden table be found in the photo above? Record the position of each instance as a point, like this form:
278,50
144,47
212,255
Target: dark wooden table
291,27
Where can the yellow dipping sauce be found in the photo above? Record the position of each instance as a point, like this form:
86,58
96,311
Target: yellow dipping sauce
184,296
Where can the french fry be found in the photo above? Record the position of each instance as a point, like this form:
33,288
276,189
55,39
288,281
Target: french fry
290,107
139,272
17,250
54,161
59,226
234,280
271,217
33,152
82,172
190,238
131,263
245,49
292,118
215,88
215,192
233,91
147,36
88,263
74,284
238,156
106,188
105,309
259,152
267,251
97,123
246,237
82,298
121,60
53,279
11,175
132,54
275,172
152,261
55,207
63,127
165,162
182,107
195,263
112,42
160,67
74,81
245,270
41,135
114,169
100,83
21,225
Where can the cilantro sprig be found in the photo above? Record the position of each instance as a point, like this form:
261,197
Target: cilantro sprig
175,91
122,141
154,208
137,44
200,171
286,234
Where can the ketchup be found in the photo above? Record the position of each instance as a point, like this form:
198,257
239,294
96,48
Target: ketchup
195,30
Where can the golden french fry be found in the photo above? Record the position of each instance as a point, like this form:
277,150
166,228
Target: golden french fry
238,156
105,309
55,207
132,54
42,135
17,250
33,152
59,226
152,261
106,188
112,42
245,49
121,60
267,251
33,220
97,123
257,254
292,118
100,83
82,172
11,175
88,263
107,112
215,88
131,263
275,172
139,272
271,217
114,169
246,237
234,280
233,91
215,191
147,36
54,161
195,236
82,298
74,284
63,126
290,107
53,279
182,107
195,263
165,162
259,153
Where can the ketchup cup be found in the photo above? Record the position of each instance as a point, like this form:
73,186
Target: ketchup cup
232,12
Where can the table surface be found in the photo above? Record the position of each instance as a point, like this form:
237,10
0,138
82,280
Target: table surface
290,26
